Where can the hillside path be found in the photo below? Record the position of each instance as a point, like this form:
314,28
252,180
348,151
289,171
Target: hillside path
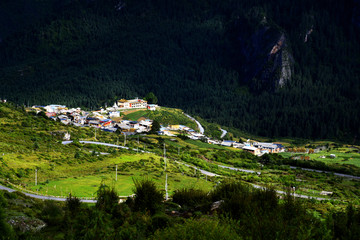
201,129
224,132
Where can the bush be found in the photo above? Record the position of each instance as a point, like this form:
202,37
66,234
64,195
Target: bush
191,198
52,213
73,205
107,198
227,189
206,229
147,196
160,221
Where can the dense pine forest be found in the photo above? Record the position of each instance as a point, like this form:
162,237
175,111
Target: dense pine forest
269,68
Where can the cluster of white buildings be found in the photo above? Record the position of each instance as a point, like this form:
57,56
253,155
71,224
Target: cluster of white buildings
256,148
191,133
103,118
134,104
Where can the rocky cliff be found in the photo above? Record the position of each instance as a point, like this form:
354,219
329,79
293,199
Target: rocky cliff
264,56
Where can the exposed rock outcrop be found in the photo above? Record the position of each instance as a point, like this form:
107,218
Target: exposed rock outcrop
266,61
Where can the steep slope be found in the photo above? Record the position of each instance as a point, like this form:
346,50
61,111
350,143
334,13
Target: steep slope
241,64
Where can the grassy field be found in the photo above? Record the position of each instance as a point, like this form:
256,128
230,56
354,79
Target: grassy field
343,156
87,186
134,116
83,179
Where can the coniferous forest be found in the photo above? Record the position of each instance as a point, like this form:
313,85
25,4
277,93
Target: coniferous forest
269,68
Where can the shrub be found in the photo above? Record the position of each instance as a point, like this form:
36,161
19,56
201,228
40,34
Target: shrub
107,198
160,221
190,198
52,213
73,204
206,229
147,196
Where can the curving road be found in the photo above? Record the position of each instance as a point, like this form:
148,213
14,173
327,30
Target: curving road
224,132
201,129
207,173
105,144
321,171
239,169
296,195
44,197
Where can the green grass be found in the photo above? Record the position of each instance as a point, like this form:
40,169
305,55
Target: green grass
83,179
343,156
87,186
171,116
134,116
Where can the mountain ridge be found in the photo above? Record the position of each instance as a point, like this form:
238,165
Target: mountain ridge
189,54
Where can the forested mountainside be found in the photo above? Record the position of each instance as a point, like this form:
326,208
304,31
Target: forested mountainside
270,68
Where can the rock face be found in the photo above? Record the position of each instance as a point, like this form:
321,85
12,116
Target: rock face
266,61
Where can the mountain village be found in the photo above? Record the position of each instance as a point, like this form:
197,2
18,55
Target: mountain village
109,119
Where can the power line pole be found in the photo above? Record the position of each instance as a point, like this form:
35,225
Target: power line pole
124,140
35,177
166,185
116,173
166,188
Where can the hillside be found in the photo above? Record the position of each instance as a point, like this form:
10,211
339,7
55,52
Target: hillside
205,182
33,142
282,69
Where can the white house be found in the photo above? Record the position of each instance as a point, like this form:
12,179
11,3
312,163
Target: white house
152,107
114,114
133,103
55,108
252,150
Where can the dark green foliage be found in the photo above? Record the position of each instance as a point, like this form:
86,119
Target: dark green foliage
206,229
151,98
160,221
190,198
73,205
244,213
197,55
97,226
52,213
147,196
6,231
346,224
155,127
106,198
262,217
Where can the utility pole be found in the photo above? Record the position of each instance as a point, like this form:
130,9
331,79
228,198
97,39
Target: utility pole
124,140
36,177
165,157
116,173
294,193
166,189
95,133
166,185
